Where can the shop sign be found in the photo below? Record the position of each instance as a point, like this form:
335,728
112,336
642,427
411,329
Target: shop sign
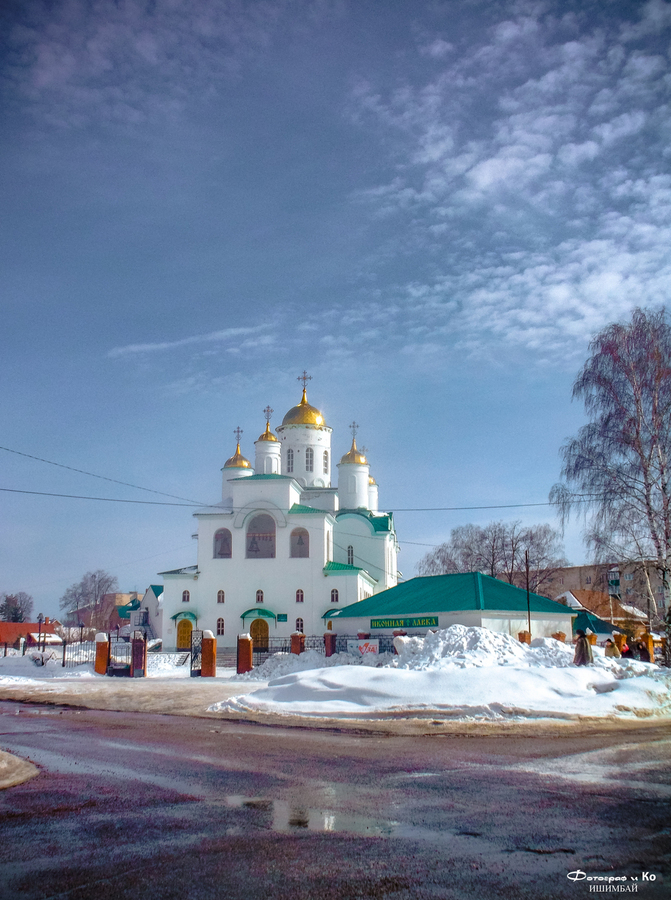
282,617
362,647
414,622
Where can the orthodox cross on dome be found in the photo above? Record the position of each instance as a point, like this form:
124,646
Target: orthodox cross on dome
267,412
238,432
363,449
354,428
304,378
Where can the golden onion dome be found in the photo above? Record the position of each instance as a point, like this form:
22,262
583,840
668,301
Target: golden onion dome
237,461
354,456
371,480
303,414
267,434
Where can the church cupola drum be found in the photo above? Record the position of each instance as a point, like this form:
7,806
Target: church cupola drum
305,441
268,459
354,477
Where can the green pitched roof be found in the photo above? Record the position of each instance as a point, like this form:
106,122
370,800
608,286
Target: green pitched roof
340,567
124,611
450,593
299,508
157,589
586,619
384,522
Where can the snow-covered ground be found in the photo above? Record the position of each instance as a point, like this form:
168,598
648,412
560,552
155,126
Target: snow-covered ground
456,674
468,673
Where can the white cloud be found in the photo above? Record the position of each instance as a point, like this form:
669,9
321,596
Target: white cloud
534,178
225,335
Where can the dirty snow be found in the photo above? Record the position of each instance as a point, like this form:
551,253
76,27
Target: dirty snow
458,673
461,672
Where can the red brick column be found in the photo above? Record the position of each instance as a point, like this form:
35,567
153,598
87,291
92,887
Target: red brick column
297,642
620,640
102,649
208,667
524,637
559,636
329,643
245,654
650,645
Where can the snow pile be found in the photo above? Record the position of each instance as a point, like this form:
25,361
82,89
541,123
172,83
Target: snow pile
461,672
280,664
36,667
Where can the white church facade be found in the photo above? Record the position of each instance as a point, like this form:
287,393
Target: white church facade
283,547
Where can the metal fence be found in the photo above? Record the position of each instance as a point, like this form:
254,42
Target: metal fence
79,653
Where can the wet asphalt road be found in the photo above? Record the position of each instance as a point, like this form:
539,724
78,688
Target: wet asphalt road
134,806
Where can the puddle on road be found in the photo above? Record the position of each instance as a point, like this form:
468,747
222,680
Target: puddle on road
281,816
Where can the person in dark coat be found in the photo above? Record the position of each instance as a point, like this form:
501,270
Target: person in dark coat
627,652
643,653
583,650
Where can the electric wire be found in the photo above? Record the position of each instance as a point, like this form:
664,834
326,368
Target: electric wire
94,475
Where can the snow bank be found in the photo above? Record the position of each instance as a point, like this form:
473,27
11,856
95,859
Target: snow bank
286,663
459,672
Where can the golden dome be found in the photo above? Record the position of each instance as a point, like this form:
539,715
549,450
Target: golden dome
371,480
354,456
237,461
303,414
267,434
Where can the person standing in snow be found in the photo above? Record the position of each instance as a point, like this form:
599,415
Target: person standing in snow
643,653
627,652
583,650
611,650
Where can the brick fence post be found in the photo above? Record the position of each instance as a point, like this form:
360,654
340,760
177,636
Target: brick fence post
329,643
102,648
524,637
209,656
245,653
650,645
297,642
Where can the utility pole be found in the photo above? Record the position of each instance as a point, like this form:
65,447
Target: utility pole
526,566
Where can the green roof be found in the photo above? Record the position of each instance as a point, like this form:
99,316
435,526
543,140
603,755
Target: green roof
263,478
586,619
124,611
384,522
450,593
259,611
185,570
299,508
157,589
340,567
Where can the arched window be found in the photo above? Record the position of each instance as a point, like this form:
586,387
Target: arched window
261,537
222,544
351,484
350,555
300,597
259,596
309,459
220,626
326,462
290,460
299,544
220,596
334,595
186,596
299,625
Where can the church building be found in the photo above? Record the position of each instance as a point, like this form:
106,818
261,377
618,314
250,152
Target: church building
283,546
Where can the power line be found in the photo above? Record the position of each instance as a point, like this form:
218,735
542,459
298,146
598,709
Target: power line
94,475
105,499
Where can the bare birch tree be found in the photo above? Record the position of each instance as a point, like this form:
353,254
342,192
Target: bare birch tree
616,470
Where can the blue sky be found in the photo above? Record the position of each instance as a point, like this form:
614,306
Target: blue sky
431,207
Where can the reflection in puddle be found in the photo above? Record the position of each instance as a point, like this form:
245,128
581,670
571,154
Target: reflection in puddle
283,817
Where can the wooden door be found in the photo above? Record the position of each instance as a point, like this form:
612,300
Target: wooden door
184,628
259,633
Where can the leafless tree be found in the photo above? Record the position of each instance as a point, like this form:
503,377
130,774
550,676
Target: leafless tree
616,471
498,549
86,597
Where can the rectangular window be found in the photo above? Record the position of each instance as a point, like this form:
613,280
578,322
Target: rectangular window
588,580
628,576
309,459
290,460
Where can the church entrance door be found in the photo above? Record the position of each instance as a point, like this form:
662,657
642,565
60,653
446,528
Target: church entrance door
184,628
259,633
